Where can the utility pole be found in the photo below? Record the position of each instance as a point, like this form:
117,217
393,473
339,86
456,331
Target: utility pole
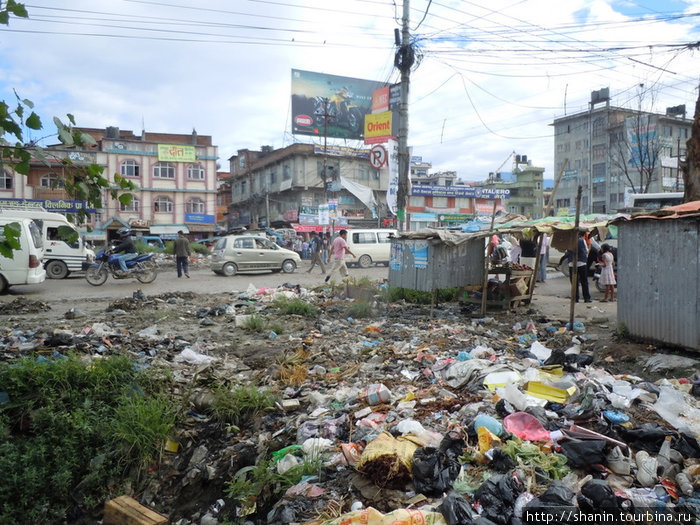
403,61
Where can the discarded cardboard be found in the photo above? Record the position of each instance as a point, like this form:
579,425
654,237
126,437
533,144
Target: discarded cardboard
125,510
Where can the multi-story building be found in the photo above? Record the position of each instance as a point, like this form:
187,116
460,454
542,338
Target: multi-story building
287,186
525,185
175,177
611,151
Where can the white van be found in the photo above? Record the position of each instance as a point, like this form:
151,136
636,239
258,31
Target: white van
371,246
24,267
61,254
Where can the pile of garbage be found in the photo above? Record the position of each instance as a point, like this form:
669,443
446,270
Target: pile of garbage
413,415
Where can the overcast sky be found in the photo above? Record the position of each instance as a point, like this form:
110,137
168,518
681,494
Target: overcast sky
492,77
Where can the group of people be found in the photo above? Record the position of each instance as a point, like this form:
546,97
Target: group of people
587,248
320,243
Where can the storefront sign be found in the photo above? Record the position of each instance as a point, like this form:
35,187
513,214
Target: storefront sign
455,217
460,191
59,205
200,218
176,153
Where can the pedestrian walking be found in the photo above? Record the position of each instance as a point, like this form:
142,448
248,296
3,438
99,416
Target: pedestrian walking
607,273
339,248
544,258
181,249
315,250
581,267
325,246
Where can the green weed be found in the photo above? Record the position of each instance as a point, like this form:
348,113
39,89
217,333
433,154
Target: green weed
57,443
295,307
241,405
255,323
360,309
142,424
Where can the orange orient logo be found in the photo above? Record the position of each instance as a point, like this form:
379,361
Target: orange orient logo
377,127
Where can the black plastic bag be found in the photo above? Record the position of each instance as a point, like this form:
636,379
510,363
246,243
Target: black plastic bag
583,452
597,495
501,462
434,470
497,497
456,510
555,506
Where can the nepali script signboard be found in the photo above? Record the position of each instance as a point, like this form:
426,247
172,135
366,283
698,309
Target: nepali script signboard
176,153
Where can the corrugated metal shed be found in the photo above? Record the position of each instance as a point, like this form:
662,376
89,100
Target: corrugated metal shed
431,264
658,285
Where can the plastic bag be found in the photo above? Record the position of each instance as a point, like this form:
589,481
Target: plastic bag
581,453
497,497
525,426
456,509
673,407
435,469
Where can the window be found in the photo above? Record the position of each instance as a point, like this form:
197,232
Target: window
384,237
243,187
163,205
363,172
364,238
5,180
130,168
195,172
244,243
195,206
52,181
135,205
448,182
164,170
440,202
273,177
286,172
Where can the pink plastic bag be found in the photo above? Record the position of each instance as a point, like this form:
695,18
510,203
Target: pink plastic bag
525,426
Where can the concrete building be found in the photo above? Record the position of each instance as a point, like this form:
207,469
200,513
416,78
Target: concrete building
526,192
611,151
175,175
274,187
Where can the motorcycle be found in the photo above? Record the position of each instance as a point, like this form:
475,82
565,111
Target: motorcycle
340,110
106,262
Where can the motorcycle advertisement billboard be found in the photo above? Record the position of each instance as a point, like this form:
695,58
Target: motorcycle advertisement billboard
329,104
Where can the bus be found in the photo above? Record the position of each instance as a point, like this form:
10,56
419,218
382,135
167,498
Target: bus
652,201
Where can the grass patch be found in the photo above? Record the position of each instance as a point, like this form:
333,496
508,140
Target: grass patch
255,323
278,328
394,294
360,309
63,435
240,405
295,307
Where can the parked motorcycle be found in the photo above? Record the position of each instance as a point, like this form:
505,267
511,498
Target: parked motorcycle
106,262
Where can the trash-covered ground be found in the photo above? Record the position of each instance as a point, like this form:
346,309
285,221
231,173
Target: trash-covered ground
396,413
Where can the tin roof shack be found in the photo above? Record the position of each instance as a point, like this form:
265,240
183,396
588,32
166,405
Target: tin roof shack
431,259
434,259
658,285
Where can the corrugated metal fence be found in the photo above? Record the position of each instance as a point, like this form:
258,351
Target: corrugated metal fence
658,280
426,264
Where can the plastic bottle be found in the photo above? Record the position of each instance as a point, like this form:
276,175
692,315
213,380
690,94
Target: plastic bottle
490,423
685,483
664,457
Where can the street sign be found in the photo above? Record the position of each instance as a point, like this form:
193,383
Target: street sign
377,156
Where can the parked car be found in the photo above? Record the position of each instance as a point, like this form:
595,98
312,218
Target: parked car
370,246
25,264
234,254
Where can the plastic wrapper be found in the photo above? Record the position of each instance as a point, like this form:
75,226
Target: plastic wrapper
388,461
371,516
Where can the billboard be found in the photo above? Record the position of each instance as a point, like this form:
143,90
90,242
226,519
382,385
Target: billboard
332,105
176,153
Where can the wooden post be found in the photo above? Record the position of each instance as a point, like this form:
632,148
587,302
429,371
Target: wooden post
484,290
533,277
573,272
